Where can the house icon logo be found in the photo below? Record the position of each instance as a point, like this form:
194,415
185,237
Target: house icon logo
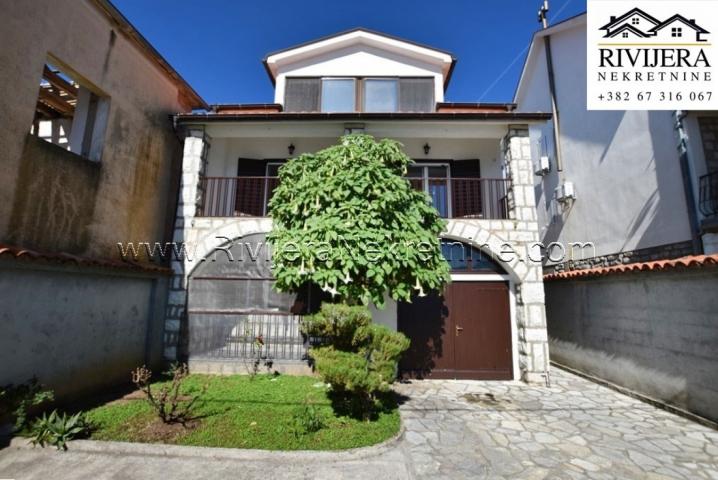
656,55
638,25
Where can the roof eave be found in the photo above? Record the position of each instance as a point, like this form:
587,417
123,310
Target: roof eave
106,7
429,116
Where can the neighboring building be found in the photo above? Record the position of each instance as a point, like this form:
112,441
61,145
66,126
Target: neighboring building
473,159
89,159
641,305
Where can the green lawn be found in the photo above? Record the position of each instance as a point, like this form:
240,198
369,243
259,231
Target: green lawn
241,412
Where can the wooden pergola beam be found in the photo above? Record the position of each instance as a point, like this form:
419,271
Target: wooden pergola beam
58,82
47,111
56,102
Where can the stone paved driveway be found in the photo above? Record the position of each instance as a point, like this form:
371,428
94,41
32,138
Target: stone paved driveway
574,429
454,429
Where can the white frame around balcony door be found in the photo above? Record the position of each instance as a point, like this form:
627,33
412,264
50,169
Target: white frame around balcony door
425,179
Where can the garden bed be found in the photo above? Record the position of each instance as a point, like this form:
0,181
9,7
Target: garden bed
244,412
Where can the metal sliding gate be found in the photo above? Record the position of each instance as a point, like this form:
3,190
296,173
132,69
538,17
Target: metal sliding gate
237,334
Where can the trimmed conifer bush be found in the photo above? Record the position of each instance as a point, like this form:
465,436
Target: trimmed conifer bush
356,357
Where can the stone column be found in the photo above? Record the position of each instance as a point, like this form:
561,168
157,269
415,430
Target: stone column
530,308
194,162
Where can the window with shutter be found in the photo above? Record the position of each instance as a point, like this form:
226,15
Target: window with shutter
302,94
416,94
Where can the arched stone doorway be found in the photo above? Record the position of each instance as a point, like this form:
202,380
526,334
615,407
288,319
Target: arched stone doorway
466,330
235,314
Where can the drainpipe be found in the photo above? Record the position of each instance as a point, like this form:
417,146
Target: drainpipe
554,107
687,178
543,19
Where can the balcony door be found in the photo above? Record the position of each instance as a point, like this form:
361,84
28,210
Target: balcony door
434,179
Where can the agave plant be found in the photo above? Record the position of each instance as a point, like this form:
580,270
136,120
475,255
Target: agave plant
57,429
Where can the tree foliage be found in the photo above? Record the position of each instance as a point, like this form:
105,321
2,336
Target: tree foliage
347,220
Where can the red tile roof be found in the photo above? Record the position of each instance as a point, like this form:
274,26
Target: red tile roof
693,261
63,257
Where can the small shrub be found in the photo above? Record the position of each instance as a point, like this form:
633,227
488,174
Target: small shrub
167,402
258,359
57,429
357,357
17,400
308,419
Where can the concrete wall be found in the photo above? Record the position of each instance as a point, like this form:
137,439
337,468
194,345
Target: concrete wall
653,332
78,330
53,202
624,164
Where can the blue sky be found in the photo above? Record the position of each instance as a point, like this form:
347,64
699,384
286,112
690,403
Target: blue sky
218,45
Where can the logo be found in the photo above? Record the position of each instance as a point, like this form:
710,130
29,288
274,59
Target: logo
651,56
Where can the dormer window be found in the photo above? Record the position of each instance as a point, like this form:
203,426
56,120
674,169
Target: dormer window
381,95
359,94
338,95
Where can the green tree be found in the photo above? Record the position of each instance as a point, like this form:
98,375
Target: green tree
347,220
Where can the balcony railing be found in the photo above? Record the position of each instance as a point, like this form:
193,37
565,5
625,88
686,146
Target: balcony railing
708,195
454,198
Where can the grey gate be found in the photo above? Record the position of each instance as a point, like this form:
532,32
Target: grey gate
233,309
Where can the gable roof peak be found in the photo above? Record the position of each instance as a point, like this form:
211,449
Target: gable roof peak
359,36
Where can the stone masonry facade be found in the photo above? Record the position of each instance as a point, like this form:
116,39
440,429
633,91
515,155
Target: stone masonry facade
507,241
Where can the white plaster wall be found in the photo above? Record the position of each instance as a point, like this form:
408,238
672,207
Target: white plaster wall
386,316
624,164
359,61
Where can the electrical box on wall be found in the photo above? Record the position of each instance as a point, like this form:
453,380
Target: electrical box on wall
565,192
543,166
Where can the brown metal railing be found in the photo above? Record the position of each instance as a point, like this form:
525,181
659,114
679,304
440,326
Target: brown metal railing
454,198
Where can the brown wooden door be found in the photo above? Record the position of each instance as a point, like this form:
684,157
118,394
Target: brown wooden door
463,333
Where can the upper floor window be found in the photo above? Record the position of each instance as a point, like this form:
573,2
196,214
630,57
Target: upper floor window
381,95
69,114
635,21
676,32
338,95
371,94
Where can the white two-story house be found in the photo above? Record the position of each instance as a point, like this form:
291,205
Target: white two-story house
474,161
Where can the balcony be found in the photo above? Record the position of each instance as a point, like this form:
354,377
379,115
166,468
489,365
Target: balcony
479,198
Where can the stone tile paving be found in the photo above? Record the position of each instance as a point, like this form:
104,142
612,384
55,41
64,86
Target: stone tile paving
574,429
454,429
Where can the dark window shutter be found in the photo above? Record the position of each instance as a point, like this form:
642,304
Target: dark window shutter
466,168
302,95
416,95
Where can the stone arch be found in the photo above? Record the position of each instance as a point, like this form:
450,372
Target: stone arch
472,233
231,229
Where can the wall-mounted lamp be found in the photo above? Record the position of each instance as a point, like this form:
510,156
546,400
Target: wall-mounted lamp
427,148
290,149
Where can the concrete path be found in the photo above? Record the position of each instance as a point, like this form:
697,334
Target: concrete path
454,429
